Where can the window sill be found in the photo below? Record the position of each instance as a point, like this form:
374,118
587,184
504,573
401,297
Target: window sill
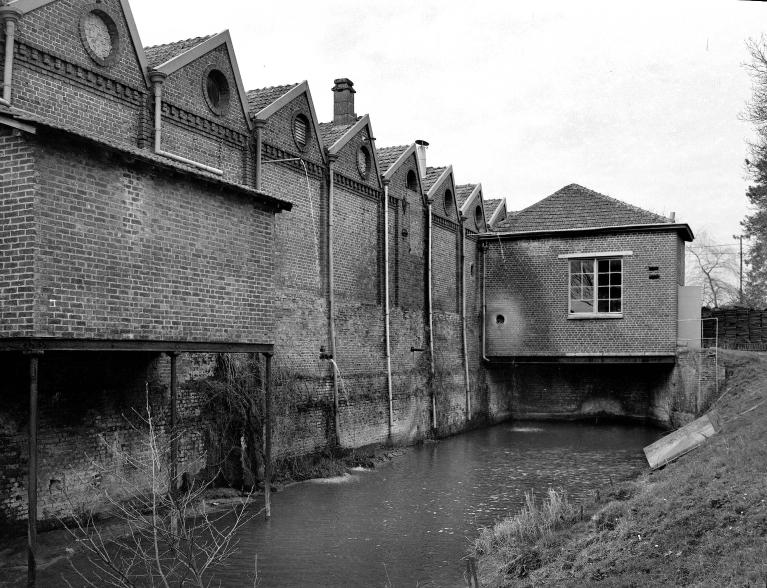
594,315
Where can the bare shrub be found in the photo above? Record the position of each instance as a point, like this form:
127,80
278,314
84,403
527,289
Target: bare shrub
169,536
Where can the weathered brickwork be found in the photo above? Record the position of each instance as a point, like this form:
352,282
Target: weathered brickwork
54,77
17,238
123,243
89,425
125,254
527,285
192,130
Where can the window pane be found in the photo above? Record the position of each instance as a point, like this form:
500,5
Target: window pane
615,279
602,306
575,280
603,279
615,292
588,279
604,265
603,293
615,306
587,266
575,267
575,293
587,293
581,306
615,265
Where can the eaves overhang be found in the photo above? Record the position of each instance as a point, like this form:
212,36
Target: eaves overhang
683,229
37,125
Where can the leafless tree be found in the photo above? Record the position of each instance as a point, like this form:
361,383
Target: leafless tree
714,268
171,538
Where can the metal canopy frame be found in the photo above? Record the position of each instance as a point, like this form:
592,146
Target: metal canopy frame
34,349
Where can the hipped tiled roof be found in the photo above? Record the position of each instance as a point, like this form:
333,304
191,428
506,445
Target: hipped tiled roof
388,155
576,207
260,98
159,54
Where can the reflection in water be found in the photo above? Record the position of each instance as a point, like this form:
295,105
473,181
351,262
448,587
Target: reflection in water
410,522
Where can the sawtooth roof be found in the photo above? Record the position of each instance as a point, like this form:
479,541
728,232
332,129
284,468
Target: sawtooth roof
463,192
576,207
260,98
388,155
493,204
331,133
432,175
159,54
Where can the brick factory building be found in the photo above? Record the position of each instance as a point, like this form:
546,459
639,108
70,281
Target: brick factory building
155,213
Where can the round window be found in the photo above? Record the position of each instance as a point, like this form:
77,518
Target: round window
216,90
478,216
412,181
447,203
99,35
500,319
363,161
301,131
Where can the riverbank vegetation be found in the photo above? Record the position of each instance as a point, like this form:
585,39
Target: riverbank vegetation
701,520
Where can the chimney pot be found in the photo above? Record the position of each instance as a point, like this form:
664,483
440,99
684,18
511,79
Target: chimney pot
420,146
343,102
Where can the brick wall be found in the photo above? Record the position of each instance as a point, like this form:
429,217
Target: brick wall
89,426
17,239
226,146
579,391
123,253
528,285
54,77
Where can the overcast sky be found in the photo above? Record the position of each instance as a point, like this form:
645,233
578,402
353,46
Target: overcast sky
636,100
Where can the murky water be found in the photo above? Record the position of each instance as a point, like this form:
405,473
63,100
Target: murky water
409,522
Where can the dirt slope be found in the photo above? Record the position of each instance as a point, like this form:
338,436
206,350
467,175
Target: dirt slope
700,521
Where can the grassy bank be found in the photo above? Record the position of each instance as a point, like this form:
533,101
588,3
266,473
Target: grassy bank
701,520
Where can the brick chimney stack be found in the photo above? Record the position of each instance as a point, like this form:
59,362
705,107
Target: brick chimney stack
343,102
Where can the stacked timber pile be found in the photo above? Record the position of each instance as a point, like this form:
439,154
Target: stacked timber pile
735,328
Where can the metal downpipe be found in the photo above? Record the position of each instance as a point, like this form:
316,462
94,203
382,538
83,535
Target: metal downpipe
467,381
158,79
387,318
331,298
430,308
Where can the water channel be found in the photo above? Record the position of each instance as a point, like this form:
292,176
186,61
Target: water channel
410,522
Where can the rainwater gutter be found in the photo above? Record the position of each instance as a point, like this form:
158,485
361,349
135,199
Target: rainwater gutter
332,158
467,381
430,309
387,317
158,78
10,16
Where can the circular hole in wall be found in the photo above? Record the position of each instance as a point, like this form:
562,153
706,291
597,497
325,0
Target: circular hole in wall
500,319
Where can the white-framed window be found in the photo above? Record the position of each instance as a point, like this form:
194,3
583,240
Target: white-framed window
596,286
